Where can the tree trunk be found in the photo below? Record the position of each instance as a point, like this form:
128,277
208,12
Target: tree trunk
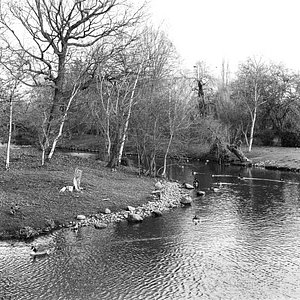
44,141
164,173
58,91
153,165
128,115
238,153
245,133
9,132
252,129
108,140
75,90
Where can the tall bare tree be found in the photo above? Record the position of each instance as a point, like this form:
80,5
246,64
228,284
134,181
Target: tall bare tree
178,111
150,115
11,81
251,85
57,32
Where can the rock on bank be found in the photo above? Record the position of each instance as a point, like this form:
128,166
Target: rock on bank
168,198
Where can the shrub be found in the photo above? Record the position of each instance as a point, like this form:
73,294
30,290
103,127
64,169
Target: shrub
290,139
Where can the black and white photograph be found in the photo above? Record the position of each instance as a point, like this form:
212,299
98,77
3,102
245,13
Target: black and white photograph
149,150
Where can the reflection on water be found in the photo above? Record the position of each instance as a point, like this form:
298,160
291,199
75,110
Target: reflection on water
247,246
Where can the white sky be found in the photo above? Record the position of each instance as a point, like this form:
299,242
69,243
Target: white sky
212,30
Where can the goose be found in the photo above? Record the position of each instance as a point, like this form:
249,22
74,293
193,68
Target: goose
196,220
200,193
217,184
214,189
196,183
35,252
187,186
75,227
12,211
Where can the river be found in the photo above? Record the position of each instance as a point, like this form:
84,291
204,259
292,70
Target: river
246,246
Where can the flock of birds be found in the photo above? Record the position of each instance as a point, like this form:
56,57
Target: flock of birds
196,184
217,188
35,252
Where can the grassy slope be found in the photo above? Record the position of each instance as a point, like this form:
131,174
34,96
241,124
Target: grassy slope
275,156
36,189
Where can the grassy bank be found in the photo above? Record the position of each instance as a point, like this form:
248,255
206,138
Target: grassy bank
275,157
35,190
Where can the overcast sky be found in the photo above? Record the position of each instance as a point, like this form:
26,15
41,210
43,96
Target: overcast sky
213,30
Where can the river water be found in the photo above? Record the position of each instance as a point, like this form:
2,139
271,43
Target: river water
246,246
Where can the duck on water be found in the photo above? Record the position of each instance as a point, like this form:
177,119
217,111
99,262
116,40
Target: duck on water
35,252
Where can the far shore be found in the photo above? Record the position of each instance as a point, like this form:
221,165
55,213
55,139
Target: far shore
281,158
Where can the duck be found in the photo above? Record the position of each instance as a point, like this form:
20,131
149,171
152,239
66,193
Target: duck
218,184
35,252
240,177
12,211
214,189
196,220
187,186
75,227
196,183
200,193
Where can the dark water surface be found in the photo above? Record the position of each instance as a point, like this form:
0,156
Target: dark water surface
247,246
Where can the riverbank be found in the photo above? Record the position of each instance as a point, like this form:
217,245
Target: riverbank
275,158
32,204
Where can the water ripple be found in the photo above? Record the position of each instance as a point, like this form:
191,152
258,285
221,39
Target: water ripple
247,246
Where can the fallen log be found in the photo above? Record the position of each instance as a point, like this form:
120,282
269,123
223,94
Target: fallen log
238,153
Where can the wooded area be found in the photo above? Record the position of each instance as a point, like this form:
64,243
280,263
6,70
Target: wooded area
88,67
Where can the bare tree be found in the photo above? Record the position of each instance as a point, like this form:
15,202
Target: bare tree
11,83
252,84
60,32
149,117
178,111
203,82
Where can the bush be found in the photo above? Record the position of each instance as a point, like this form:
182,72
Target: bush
25,136
290,139
267,138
